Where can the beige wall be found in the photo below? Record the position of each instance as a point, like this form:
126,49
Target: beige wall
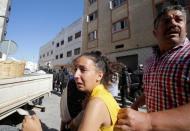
139,34
137,39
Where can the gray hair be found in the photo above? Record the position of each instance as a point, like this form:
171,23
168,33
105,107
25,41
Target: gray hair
165,10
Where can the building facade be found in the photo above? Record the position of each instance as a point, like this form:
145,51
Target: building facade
122,29
5,8
60,51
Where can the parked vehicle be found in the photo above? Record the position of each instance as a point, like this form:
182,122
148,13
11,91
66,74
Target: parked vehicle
23,92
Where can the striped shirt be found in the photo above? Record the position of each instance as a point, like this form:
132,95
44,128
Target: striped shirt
167,79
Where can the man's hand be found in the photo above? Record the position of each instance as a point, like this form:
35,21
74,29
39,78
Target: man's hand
131,120
31,123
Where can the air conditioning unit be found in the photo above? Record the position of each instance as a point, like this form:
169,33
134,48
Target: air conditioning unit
95,35
111,4
87,18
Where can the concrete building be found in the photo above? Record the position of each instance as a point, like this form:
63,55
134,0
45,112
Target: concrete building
122,29
60,51
5,8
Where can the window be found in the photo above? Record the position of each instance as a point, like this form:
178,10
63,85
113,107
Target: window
5,33
56,57
92,36
69,53
77,35
48,54
57,45
9,9
51,52
92,1
52,42
120,25
43,55
119,46
70,38
1,56
93,16
62,42
77,51
117,3
61,55
7,20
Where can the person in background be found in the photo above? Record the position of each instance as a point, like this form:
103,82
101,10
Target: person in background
124,85
62,84
113,84
166,79
139,73
54,80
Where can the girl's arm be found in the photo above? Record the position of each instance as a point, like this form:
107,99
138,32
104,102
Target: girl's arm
96,115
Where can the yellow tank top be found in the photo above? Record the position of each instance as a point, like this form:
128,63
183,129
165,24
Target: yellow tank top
113,107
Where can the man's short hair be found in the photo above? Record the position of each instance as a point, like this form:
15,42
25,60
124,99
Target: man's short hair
165,9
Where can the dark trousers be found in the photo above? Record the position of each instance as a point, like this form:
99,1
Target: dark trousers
124,94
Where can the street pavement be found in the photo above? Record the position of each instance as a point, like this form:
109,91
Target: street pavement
51,117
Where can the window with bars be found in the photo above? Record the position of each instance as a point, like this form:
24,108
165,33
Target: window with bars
61,55
92,1
120,25
62,42
56,57
93,16
70,38
69,53
57,45
77,51
92,36
77,35
117,3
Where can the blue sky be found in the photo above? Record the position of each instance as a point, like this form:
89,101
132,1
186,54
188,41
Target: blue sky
32,23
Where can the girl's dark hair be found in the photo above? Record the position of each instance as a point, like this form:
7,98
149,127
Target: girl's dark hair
102,63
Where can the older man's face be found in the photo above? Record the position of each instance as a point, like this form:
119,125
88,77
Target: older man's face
171,29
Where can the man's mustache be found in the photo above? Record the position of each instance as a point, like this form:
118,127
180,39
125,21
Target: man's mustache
173,29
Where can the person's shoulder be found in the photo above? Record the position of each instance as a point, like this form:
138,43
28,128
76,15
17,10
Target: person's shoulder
96,101
96,104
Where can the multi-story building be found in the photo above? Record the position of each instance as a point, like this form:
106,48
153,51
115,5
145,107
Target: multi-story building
122,29
60,51
5,8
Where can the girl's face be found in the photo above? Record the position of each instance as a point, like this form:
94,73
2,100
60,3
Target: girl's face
86,74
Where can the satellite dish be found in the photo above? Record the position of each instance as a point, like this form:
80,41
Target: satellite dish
8,47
